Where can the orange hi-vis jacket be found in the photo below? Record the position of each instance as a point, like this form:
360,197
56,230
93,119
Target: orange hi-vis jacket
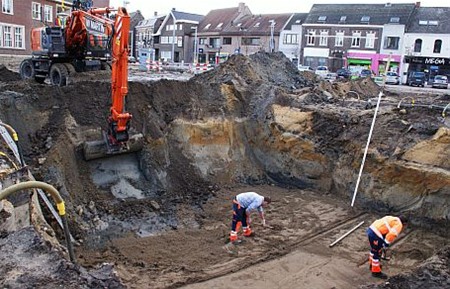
387,228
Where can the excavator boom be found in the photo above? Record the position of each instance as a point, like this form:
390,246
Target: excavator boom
117,140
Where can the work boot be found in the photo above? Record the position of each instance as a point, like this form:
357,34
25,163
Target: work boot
248,232
380,275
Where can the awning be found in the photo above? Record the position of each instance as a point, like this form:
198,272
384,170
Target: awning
359,61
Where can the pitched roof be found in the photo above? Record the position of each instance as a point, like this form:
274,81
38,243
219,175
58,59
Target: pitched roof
360,14
220,19
430,20
260,24
297,19
150,22
187,17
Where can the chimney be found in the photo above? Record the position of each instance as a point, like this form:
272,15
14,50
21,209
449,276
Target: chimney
241,7
173,9
417,4
155,13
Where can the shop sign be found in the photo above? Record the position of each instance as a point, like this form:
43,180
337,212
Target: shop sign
437,61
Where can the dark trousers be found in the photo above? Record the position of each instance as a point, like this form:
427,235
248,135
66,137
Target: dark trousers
376,244
239,215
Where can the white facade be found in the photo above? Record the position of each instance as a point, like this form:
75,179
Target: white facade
288,45
427,48
392,31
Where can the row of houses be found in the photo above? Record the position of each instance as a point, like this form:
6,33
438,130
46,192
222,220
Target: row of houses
357,36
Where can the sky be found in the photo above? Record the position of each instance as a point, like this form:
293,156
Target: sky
202,7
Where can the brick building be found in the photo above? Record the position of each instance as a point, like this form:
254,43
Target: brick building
18,17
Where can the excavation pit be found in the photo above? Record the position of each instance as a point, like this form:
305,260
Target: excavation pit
161,217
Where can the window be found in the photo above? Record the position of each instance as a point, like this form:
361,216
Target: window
437,46
180,27
166,55
365,19
227,41
323,40
257,24
322,61
7,37
391,42
219,25
250,41
207,26
7,6
395,20
290,39
322,19
310,37
202,41
36,11
343,19
356,39
48,13
18,37
370,39
214,42
433,23
423,22
309,61
339,40
418,45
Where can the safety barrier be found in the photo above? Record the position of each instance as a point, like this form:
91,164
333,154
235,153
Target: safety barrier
154,65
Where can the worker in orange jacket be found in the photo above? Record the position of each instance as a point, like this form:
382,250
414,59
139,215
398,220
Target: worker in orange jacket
381,234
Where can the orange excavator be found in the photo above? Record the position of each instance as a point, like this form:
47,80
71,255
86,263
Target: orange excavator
83,44
89,40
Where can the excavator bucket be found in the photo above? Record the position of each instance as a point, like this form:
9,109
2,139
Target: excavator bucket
103,148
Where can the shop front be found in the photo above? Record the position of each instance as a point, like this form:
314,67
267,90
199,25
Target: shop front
358,61
432,66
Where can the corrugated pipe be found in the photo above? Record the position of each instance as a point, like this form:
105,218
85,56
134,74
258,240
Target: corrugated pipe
15,137
56,197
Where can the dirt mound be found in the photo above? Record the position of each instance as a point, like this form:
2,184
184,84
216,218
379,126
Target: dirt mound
261,68
8,75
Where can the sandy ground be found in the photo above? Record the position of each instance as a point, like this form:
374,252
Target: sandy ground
293,252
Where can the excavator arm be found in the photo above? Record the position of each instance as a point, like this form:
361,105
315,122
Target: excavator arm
117,139
119,119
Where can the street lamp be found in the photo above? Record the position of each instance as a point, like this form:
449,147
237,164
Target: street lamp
195,44
272,28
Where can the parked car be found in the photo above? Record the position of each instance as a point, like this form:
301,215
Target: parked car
440,81
322,71
392,78
365,73
343,73
305,68
417,78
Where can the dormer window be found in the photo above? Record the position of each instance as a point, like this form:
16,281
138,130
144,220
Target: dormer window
343,19
219,25
365,19
423,22
207,26
322,19
239,24
433,23
297,21
257,24
394,20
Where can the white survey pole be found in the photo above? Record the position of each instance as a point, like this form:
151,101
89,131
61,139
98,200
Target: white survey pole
367,147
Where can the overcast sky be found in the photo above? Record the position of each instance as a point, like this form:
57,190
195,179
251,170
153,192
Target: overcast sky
148,7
